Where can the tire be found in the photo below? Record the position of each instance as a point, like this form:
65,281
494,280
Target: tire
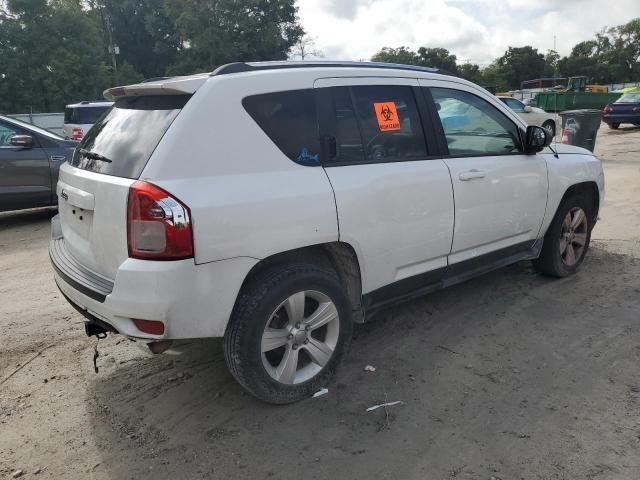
614,126
561,239
271,300
550,126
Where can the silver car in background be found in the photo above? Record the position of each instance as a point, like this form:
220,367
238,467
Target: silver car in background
531,115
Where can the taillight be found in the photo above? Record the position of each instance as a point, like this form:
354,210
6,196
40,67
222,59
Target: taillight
149,326
608,109
77,133
636,109
158,225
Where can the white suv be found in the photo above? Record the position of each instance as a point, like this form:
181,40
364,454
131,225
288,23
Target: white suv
274,204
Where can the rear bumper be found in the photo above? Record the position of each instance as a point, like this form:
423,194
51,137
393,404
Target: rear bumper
621,118
193,301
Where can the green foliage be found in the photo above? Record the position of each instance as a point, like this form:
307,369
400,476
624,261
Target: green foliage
613,56
396,55
215,32
53,52
521,63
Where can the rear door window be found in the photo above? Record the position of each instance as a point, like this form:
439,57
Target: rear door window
122,141
290,120
389,122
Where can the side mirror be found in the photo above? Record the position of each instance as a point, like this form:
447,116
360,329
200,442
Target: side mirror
528,109
24,141
537,139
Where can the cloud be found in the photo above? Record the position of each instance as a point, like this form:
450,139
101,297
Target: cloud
475,30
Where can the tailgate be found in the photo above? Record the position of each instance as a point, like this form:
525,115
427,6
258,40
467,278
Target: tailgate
93,218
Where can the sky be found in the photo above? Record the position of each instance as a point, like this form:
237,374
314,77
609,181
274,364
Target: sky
477,31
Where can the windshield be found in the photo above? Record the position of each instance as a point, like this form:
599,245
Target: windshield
629,98
122,141
35,129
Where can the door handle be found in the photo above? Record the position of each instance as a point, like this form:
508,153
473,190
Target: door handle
57,158
471,175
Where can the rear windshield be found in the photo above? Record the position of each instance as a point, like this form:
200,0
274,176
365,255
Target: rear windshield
629,98
121,143
84,115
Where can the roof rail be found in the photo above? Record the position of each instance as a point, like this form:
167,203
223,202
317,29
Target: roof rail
240,67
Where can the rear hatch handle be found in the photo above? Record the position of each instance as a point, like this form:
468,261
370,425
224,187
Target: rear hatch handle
74,196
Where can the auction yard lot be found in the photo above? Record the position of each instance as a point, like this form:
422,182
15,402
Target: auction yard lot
508,376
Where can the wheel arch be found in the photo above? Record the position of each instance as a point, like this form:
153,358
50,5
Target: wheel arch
340,257
590,191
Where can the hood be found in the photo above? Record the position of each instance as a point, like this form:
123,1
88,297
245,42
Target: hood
563,149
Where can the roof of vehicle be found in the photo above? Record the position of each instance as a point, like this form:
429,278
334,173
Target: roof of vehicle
84,104
189,84
242,67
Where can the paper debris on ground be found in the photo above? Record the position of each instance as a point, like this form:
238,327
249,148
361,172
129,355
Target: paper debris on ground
369,368
319,393
388,404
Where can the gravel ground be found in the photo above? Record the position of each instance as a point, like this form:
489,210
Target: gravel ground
508,376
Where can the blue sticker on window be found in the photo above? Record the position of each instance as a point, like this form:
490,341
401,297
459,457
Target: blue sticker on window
305,156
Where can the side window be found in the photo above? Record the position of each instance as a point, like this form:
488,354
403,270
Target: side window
389,122
344,125
6,132
472,126
289,119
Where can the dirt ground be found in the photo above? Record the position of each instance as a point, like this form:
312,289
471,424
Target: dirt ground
509,376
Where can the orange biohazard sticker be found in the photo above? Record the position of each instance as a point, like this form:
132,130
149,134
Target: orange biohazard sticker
387,114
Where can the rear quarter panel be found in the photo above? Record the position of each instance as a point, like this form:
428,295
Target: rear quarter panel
247,199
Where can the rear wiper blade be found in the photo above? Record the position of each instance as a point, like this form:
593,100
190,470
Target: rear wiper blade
94,156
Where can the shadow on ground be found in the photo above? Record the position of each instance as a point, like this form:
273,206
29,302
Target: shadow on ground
511,375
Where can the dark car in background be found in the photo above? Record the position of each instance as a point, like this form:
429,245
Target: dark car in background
29,161
624,110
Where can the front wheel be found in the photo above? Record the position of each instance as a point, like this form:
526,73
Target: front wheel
567,240
288,332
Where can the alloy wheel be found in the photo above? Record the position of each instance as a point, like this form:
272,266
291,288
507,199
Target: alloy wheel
573,236
300,337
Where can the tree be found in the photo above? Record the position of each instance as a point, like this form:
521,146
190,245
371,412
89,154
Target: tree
50,54
215,32
401,55
305,47
519,64
551,60
143,32
438,58
471,72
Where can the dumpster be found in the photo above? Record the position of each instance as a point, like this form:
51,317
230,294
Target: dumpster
559,101
580,127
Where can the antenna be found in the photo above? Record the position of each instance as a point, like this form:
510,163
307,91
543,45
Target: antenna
555,101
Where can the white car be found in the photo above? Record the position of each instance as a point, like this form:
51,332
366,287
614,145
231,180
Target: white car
275,204
80,117
531,115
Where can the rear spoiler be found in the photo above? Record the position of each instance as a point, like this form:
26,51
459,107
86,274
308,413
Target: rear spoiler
164,86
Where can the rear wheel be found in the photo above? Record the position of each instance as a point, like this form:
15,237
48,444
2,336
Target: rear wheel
567,240
289,329
614,126
550,126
